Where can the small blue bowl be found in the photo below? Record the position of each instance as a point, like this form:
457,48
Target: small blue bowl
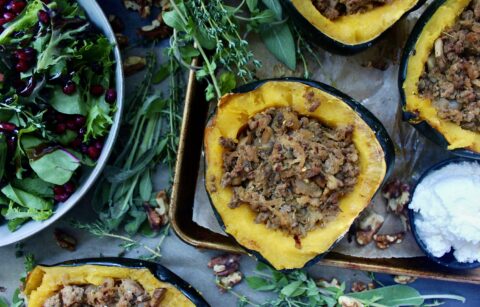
448,260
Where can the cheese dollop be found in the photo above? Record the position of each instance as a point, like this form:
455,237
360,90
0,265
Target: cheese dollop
448,203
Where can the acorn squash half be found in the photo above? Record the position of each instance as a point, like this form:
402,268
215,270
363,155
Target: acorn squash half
351,33
44,281
376,157
420,111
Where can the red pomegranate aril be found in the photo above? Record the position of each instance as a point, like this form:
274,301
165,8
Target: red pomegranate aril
61,197
69,188
2,22
58,190
12,143
60,128
8,16
82,131
28,89
76,143
43,17
80,121
96,90
22,66
93,152
71,124
111,95
98,144
84,148
8,127
16,6
21,55
69,88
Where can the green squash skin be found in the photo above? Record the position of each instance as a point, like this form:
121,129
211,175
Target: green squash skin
380,132
328,43
423,127
160,272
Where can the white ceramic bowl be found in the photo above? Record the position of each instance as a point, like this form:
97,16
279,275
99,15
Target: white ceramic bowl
89,176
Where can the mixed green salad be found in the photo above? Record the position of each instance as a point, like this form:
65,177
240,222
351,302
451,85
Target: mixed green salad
57,99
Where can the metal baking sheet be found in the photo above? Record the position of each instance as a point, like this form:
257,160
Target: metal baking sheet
183,193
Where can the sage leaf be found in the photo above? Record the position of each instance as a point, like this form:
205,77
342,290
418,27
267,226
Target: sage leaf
56,167
275,6
397,295
252,5
26,199
173,20
279,41
145,186
291,288
259,284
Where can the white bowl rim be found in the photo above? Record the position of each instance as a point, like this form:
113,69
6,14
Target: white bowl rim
30,228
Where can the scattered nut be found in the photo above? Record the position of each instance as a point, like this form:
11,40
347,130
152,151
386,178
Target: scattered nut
65,240
156,30
230,280
370,286
386,240
116,23
227,268
157,217
404,279
134,64
397,194
143,7
122,40
328,284
358,286
346,301
368,225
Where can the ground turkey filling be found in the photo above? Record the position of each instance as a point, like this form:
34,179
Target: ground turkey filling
118,293
451,76
290,169
333,9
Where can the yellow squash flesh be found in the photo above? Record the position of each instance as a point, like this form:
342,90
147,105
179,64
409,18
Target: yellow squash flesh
44,282
456,136
357,28
276,246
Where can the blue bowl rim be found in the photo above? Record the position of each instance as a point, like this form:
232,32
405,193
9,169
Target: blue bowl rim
448,260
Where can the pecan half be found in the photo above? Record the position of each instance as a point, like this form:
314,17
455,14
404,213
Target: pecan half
65,240
323,283
122,40
397,194
368,225
158,216
116,23
346,301
133,64
225,264
358,286
404,279
384,241
143,7
156,30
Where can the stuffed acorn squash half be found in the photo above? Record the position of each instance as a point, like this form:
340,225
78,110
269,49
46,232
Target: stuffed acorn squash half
440,76
290,164
348,26
107,282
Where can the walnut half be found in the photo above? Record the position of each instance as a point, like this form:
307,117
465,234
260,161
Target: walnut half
368,225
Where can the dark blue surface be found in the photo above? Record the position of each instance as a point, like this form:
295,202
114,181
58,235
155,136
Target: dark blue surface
470,292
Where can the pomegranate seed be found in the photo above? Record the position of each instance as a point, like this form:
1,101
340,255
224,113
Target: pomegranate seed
76,143
58,190
11,143
60,128
8,127
21,55
82,131
69,88
71,124
93,152
61,197
84,148
111,95
8,16
98,144
80,121
43,17
3,2
97,68
96,90
69,188
30,52
22,66
28,89
2,22
16,6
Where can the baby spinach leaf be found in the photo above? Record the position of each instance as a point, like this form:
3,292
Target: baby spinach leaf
56,167
279,41
35,186
26,199
68,104
397,295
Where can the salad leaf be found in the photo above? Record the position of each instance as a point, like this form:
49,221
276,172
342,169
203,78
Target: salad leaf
69,9
67,137
36,186
26,199
68,104
27,19
56,167
99,119
15,224
3,154
16,213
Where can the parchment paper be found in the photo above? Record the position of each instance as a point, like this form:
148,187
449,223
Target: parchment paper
372,79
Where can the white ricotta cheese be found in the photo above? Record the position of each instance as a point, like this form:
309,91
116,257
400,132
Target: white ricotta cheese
448,203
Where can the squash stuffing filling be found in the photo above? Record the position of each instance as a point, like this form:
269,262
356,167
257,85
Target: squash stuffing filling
118,293
333,9
290,169
451,76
